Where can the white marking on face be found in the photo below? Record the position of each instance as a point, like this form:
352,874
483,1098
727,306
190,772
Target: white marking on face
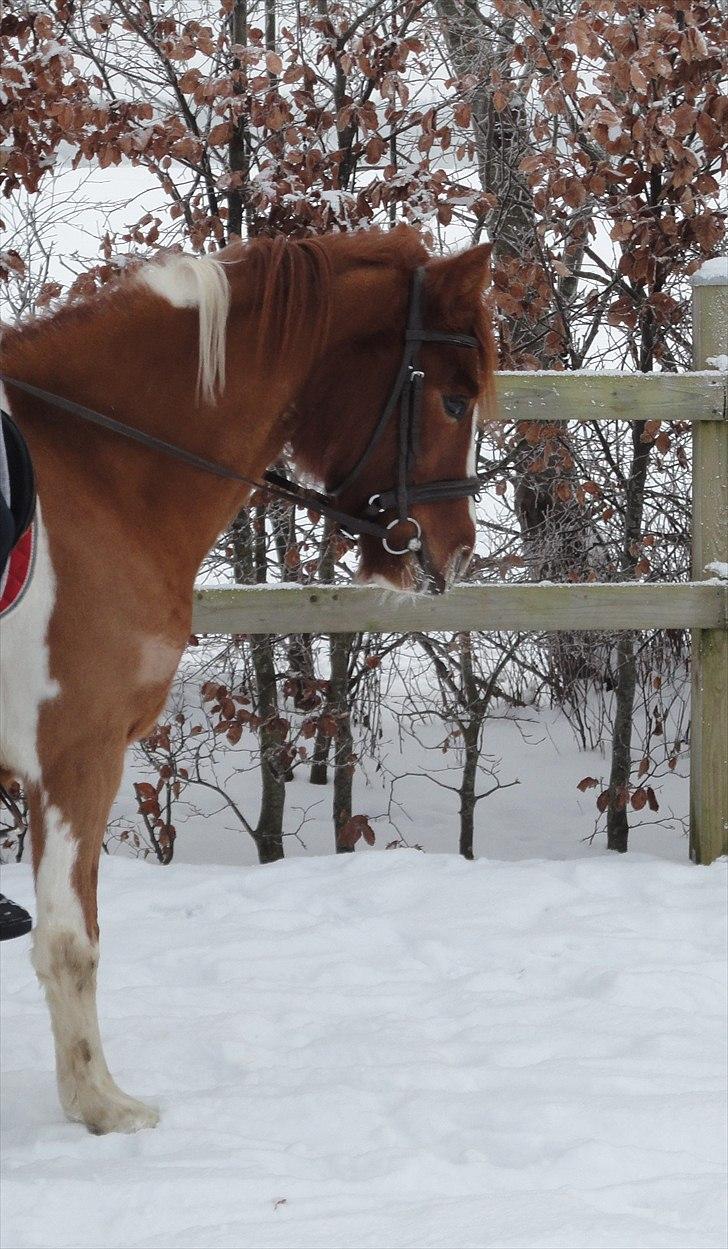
25,682
197,282
470,463
158,660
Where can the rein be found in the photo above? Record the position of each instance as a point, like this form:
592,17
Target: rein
278,485
407,390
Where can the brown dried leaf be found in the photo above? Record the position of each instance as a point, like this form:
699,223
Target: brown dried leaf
638,80
220,133
353,830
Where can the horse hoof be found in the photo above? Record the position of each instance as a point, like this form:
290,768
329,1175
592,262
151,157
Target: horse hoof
121,1114
110,1112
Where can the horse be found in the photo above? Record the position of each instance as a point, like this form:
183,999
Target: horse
363,358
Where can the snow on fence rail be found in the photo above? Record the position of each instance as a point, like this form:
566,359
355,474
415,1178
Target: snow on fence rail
700,398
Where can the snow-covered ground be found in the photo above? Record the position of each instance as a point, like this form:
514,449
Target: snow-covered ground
542,815
395,1049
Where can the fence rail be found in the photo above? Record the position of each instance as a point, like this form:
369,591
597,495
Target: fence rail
526,608
612,397
700,398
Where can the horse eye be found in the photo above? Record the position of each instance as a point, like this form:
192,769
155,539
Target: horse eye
455,405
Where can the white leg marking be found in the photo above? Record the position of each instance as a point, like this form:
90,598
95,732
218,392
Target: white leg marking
25,682
65,960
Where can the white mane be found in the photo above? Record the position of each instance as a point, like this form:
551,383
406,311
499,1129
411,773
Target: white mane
197,282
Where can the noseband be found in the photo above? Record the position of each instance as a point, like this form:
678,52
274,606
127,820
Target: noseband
407,391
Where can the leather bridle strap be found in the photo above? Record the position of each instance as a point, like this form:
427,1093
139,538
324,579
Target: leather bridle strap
272,483
430,492
407,391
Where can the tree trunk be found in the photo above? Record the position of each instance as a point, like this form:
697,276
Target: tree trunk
319,774
249,567
472,726
298,645
617,822
552,528
471,743
341,644
239,149
269,829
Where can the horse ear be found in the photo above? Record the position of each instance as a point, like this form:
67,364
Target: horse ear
465,277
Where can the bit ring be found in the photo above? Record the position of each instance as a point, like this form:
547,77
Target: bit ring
414,543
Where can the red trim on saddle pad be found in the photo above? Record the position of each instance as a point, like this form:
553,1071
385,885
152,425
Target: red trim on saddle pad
19,570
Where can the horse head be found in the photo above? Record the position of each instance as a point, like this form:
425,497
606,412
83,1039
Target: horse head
388,417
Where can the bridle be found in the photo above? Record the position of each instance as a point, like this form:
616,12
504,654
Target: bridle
407,391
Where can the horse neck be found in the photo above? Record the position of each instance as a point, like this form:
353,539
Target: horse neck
135,359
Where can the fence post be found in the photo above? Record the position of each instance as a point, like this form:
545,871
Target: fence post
709,714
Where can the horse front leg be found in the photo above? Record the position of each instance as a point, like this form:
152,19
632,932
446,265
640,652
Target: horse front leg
68,814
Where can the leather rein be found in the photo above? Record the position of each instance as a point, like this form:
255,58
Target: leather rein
407,390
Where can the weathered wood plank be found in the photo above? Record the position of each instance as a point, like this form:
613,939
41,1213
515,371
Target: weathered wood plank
525,608
609,397
709,718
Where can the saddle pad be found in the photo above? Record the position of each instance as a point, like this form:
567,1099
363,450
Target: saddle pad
17,511
18,570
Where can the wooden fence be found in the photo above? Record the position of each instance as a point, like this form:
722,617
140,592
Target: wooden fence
701,605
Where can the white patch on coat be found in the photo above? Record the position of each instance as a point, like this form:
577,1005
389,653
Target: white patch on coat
158,660
197,282
65,959
25,681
